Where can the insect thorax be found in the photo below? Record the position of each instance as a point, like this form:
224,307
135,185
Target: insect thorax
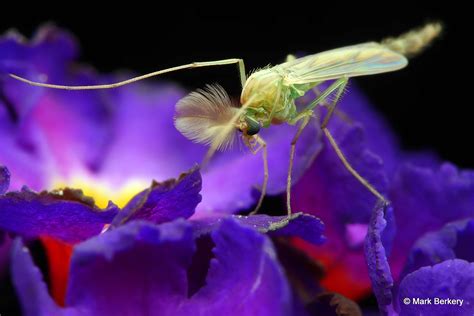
271,101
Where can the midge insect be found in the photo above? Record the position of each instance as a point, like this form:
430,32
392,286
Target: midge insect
268,96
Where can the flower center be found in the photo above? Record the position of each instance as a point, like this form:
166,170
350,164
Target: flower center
103,192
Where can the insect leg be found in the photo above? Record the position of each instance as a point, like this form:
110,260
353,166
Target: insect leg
349,168
263,145
240,63
332,141
305,121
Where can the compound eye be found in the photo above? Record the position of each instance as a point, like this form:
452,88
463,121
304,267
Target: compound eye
253,126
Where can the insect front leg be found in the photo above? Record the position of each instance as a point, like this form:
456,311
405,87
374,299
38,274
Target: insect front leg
263,146
303,124
239,62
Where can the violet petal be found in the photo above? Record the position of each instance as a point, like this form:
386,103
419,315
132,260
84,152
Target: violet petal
451,279
245,277
453,241
301,225
67,215
30,287
426,199
377,263
4,179
166,201
139,268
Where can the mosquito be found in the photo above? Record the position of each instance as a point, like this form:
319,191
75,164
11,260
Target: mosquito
268,97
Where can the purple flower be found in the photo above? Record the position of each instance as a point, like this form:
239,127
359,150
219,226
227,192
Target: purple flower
438,277
162,266
142,268
71,217
134,268
452,241
420,189
425,199
66,215
192,256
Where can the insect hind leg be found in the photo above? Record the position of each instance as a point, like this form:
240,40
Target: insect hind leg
349,168
338,88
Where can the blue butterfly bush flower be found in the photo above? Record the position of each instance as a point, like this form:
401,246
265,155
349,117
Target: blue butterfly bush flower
174,247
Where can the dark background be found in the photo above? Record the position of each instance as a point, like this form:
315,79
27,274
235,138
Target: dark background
428,103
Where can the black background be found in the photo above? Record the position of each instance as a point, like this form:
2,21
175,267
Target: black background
428,103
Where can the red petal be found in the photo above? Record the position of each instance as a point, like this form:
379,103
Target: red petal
59,259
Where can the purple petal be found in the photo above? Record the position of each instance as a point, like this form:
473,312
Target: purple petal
451,279
164,202
66,215
377,263
30,287
50,49
50,131
139,268
144,144
301,225
453,241
4,179
426,199
245,277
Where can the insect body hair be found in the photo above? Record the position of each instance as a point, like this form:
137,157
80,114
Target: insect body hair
415,41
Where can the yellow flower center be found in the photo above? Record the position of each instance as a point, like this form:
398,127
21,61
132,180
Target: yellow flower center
103,192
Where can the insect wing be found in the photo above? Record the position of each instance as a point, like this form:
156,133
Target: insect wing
350,61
